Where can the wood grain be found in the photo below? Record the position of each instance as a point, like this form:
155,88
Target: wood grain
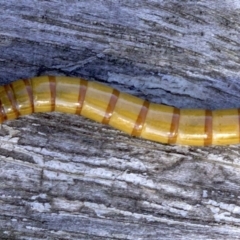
65,177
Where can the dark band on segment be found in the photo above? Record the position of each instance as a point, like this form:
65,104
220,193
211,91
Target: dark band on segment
172,139
137,129
3,116
111,106
12,99
208,128
52,85
81,96
29,90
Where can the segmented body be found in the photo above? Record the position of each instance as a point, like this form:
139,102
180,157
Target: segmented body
130,114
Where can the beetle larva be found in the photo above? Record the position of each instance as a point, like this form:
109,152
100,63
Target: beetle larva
130,114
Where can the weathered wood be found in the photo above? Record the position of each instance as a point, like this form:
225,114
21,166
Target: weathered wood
66,177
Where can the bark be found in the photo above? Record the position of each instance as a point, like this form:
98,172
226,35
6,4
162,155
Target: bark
66,177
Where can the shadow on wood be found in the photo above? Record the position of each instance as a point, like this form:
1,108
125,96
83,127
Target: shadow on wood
65,177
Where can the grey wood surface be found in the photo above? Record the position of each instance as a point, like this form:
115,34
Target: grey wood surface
66,177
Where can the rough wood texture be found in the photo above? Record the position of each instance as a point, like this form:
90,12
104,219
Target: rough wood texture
65,177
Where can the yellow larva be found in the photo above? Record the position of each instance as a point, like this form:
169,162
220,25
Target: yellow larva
130,114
